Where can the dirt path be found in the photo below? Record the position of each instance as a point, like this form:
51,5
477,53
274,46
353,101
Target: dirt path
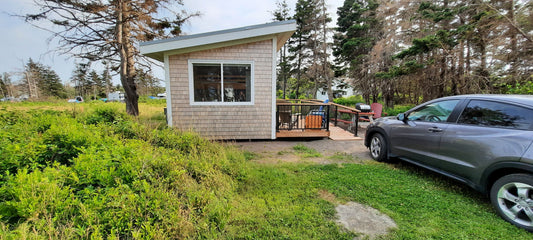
330,151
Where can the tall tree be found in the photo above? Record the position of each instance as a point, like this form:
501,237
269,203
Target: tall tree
148,84
80,79
50,83
319,70
6,87
107,79
107,30
30,79
42,81
357,31
282,13
300,40
308,47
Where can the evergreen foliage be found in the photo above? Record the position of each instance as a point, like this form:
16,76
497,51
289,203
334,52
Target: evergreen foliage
42,81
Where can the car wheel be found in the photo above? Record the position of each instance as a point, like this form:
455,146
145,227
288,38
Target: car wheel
378,148
512,197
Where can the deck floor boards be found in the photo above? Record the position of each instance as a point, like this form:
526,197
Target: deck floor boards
335,133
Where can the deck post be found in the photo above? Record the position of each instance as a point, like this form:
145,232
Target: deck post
327,118
336,114
356,124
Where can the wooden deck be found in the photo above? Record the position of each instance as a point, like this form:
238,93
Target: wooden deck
297,133
339,134
334,133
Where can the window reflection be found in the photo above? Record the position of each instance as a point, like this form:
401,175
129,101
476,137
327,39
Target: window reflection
493,114
222,82
435,112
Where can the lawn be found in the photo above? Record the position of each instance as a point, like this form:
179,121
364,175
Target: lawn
89,171
287,201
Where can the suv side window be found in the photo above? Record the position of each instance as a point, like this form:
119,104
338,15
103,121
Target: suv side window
496,114
434,112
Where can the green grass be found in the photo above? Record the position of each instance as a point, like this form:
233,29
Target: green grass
305,151
284,202
279,202
341,157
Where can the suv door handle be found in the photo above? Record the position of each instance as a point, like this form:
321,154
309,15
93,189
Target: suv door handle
435,129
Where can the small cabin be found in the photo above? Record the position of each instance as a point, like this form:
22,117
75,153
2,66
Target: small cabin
223,84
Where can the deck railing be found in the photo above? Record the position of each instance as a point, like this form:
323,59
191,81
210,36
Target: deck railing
313,114
301,116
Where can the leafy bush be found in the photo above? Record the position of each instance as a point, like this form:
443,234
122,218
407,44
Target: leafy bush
525,88
150,101
105,114
99,174
398,109
349,101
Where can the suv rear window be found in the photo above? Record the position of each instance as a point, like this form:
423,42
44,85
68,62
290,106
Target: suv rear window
496,114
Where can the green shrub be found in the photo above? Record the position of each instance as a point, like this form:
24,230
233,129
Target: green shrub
75,176
349,101
105,114
397,109
521,88
149,101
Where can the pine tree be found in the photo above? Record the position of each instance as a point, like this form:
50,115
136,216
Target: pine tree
42,81
357,32
282,14
50,84
80,79
106,79
300,55
5,83
308,47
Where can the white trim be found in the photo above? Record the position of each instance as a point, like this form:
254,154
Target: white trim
154,49
167,88
274,77
191,83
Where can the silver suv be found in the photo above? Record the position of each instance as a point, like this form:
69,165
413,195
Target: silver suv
484,141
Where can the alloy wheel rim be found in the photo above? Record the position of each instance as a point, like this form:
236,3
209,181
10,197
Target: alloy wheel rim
516,202
375,147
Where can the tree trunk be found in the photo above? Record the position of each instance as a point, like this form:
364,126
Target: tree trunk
126,50
513,43
325,64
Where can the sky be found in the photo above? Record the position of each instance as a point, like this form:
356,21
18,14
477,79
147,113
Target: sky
20,41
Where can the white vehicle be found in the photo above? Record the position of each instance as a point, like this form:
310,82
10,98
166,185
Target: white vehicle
115,97
162,95
77,99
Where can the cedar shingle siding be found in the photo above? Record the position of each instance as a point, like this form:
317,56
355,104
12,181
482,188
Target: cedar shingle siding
220,121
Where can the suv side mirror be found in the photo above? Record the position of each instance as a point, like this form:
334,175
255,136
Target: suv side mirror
402,117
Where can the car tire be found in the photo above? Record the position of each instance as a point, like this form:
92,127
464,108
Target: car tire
378,148
512,197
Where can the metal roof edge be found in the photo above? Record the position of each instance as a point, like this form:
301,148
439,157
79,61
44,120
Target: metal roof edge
220,32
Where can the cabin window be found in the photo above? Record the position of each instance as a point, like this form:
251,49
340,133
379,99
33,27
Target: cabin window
221,82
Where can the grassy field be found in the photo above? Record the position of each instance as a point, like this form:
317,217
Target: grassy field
88,171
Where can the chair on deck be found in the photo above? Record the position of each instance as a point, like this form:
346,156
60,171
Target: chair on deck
285,118
314,114
377,108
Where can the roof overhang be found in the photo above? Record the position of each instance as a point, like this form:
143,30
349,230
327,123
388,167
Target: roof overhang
282,31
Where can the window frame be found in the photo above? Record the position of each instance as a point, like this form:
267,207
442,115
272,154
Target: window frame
221,62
